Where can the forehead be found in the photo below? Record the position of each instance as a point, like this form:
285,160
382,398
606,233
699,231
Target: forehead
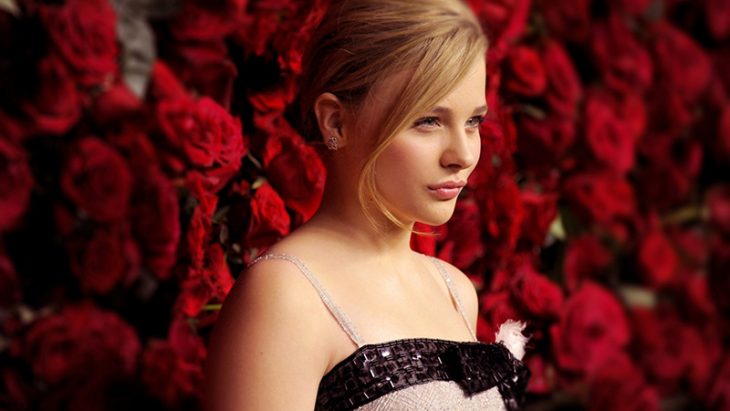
468,92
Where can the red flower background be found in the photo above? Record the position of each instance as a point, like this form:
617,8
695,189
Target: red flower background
148,154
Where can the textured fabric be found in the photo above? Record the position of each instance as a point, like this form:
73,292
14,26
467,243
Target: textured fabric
436,396
378,370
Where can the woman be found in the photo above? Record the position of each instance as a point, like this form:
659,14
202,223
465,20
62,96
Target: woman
342,313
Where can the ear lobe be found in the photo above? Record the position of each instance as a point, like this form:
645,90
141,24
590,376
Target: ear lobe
330,113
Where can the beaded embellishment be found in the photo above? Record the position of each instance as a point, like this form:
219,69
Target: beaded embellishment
375,370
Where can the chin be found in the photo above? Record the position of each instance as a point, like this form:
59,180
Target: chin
436,219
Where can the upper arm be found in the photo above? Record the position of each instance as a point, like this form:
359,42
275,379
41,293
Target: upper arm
265,352
467,293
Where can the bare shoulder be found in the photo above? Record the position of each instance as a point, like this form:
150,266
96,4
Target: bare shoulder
266,349
466,290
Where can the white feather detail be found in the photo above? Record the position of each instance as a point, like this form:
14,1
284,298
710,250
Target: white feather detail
510,333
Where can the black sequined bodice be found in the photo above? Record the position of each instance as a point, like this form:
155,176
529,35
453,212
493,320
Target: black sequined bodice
375,370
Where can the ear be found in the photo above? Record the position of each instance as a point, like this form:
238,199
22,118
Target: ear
330,114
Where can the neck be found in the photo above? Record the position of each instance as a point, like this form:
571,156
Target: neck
341,215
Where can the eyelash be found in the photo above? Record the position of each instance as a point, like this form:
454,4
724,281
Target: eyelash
434,121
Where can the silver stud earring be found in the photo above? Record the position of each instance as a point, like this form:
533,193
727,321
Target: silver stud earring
332,143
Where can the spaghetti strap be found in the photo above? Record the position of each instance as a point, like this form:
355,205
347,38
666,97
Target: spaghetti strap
339,316
447,279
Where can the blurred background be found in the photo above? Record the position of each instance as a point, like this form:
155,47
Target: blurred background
149,151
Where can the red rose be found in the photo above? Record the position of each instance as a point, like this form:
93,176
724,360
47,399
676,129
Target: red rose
567,19
692,291
274,99
617,384
9,283
208,284
670,160
56,105
291,43
564,89
108,257
496,307
205,22
499,141
585,258
592,327
262,21
206,73
535,293
657,259
504,21
155,217
207,134
16,391
164,85
198,231
198,53
293,167
81,342
673,48
635,7
426,243
544,142
268,220
719,396
721,146
502,215
718,18
609,136
524,72
115,104
97,179
542,380
172,369
669,109
137,148
540,211
84,33
719,281
671,352
625,65
691,243
16,183
463,235
599,196
717,199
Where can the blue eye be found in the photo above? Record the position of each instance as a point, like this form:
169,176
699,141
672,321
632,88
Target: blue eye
475,121
427,121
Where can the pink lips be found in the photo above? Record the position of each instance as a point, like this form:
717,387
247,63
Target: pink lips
447,190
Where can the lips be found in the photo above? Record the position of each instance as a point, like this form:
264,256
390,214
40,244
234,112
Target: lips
447,190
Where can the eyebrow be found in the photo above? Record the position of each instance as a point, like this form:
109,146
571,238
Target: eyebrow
446,110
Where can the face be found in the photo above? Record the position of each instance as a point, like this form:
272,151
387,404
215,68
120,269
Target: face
424,168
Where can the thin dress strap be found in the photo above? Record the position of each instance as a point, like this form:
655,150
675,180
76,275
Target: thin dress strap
340,316
454,294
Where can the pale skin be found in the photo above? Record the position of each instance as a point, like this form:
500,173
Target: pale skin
275,339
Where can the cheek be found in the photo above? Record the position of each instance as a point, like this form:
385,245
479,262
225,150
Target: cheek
476,149
404,158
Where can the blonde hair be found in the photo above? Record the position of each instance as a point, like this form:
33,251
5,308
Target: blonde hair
361,43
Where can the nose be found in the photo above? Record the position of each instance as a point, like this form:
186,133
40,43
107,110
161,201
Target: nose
461,149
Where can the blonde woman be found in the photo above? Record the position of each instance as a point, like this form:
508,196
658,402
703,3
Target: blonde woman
342,314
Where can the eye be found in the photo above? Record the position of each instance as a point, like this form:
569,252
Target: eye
427,122
475,121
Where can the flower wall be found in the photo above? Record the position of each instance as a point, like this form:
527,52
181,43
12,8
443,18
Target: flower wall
148,152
